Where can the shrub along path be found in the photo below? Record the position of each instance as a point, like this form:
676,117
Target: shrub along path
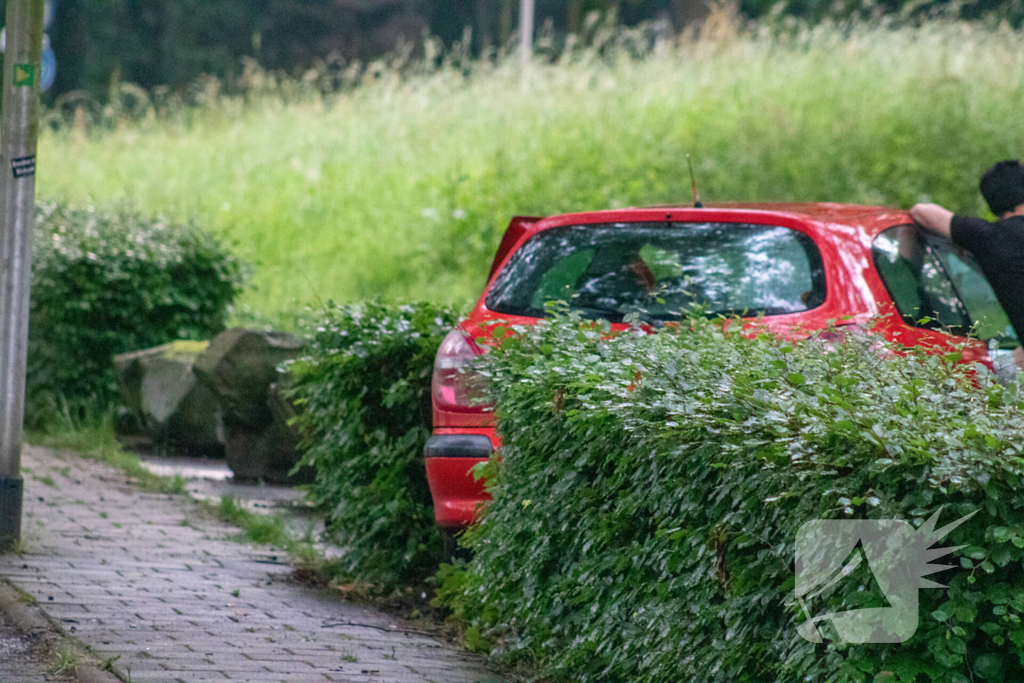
143,578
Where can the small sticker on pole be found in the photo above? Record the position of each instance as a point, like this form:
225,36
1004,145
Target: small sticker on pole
23,166
24,74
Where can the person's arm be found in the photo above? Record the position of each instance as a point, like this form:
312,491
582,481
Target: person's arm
933,218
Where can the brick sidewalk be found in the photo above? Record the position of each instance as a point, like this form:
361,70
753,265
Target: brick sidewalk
144,578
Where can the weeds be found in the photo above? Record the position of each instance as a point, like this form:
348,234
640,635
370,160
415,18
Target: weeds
24,596
310,565
64,659
256,528
94,439
19,548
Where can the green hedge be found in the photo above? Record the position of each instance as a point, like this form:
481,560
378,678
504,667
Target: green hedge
651,486
105,283
364,398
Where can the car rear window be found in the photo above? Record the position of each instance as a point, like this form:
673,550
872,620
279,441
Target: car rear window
937,286
662,270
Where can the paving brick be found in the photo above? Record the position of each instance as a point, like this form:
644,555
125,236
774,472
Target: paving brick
128,578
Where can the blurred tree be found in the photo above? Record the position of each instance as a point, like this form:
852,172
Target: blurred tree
150,42
484,26
172,42
574,15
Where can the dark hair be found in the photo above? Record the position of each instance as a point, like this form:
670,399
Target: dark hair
1002,186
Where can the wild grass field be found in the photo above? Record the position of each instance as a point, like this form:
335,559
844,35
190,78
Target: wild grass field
401,187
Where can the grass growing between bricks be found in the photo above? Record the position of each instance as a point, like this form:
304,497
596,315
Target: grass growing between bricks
63,655
19,548
96,441
24,596
63,659
310,564
256,528
66,656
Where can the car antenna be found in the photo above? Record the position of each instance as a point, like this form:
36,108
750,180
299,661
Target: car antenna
693,179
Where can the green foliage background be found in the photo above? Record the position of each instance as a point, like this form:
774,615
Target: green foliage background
171,43
400,185
650,488
363,395
109,282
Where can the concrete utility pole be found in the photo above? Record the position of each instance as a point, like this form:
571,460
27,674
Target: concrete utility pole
22,71
525,32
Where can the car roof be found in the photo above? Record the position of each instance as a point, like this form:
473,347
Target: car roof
869,220
820,210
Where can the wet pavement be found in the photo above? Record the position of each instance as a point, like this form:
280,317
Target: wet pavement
164,593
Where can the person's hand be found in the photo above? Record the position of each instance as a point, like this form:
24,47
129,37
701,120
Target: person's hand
933,218
1018,357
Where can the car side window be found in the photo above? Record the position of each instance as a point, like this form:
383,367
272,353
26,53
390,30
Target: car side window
917,282
988,316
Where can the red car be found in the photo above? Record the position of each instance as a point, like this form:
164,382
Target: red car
799,265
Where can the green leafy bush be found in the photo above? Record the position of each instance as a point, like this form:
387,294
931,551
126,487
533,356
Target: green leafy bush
365,415
105,283
651,487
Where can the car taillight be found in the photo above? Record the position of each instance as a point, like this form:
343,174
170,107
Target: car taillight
455,387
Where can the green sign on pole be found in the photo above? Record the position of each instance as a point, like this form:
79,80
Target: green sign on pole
24,74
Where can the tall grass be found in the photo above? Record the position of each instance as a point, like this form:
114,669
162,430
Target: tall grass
401,186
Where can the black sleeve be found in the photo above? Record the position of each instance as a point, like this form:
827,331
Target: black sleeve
973,234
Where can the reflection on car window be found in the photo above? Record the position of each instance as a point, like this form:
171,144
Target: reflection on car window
986,313
557,283
935,287
663,269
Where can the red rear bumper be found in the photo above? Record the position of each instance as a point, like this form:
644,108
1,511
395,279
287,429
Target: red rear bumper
450,455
